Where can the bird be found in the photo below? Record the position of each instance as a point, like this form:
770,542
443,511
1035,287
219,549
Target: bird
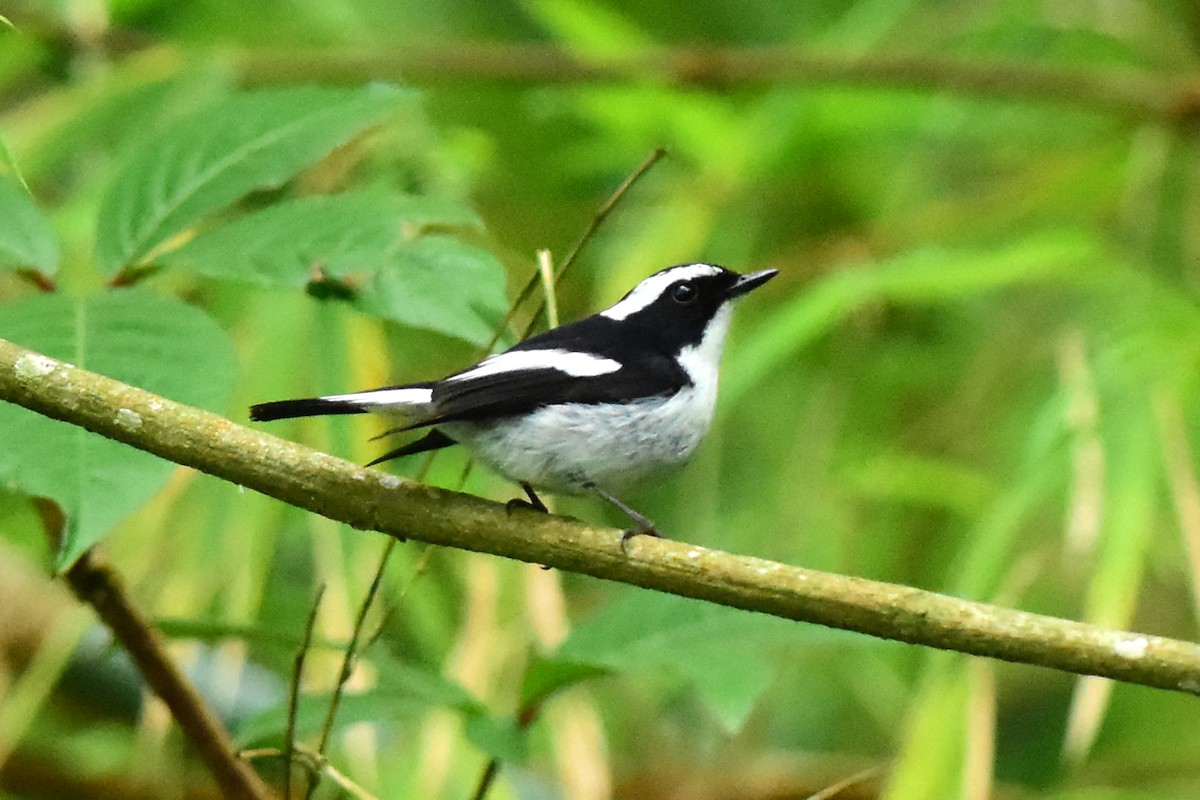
596,406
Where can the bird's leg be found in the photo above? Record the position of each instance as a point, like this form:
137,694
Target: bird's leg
642,525
534,502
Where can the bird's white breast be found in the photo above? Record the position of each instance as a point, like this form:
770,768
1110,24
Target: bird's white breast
563,448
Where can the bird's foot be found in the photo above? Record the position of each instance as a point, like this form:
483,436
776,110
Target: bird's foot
521,502
640,530
534,503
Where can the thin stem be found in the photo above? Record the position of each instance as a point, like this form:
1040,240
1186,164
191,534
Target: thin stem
601,215
832,791
545,263
289,741
350,654
486,779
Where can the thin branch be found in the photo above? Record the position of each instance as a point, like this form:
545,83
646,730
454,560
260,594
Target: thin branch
351,653
866,775
374,500
1129,94
289,738
486,779
314,763
97,584
545,265
601,215
656,155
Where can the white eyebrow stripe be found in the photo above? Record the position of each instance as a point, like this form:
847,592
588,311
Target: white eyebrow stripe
652,288
402,396
577,365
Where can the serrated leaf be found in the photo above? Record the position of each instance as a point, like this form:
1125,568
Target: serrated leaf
135,336
114,115
440,284
26,239
208,160
344,235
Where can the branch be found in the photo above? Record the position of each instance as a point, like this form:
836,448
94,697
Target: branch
373,500
1131,94
96,584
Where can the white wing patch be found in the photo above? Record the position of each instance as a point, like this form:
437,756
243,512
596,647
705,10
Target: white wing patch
652,288
403,396
577,365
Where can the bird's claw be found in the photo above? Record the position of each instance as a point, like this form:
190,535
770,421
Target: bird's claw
518,502
629,533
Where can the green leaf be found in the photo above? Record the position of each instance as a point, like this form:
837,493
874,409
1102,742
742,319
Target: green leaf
503,739
721,651
26,239
433,282
268,726
402,691
930,763
440,284
1132,484
112,116
590,27
923,480
8,166
408,683
928,276
139,337
356,232
208,160
420,684
545,676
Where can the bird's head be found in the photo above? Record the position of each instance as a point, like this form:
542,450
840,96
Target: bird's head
686,304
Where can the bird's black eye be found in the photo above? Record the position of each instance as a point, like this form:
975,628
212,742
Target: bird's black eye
684,293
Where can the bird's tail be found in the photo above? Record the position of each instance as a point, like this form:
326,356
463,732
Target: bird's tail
305,407
408,402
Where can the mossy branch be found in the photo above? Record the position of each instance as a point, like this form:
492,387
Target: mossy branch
373,500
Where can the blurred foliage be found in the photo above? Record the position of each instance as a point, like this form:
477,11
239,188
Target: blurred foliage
976,374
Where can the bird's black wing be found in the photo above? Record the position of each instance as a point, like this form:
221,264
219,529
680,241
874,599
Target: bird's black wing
509,393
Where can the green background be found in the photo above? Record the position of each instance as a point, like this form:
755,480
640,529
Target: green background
975,374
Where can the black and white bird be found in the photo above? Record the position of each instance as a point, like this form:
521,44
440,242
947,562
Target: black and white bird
595,406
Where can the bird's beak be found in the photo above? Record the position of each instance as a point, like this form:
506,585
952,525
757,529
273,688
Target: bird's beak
747,282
